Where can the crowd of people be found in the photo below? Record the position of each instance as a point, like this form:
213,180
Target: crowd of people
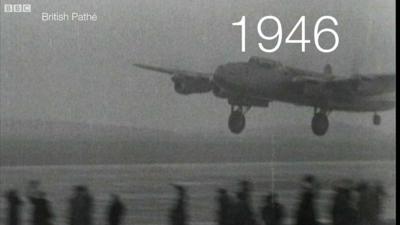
352,204
80,208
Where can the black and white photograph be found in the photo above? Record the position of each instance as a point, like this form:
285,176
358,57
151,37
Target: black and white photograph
200,112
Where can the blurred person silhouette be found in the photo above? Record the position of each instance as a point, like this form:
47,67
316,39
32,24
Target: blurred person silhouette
42,213
33,189
243,214
272,212
13,207
32,192
115,210
378,193
245,187
245,202
178,213
40,208
365,204
343,210
306,211
80,207
370,203
225,204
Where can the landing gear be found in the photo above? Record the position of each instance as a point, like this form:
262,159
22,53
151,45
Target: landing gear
237,121
376,119
320,123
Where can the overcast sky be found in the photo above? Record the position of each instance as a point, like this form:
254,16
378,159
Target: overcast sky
83,72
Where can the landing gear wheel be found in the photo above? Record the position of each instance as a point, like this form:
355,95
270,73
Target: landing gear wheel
320,124
376,119
236,122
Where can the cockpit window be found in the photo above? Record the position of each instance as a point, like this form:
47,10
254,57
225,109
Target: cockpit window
266,63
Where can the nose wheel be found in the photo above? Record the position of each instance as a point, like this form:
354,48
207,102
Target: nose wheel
376,119
237,120
320,123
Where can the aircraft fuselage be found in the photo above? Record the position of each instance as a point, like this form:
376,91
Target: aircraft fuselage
246,80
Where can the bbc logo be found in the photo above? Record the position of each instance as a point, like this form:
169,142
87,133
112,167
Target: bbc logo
17,8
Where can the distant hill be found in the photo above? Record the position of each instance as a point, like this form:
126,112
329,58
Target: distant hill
35,142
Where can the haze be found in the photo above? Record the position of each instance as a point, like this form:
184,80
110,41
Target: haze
82,72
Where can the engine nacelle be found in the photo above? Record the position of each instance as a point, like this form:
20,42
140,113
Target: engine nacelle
219,92
191,85
181,88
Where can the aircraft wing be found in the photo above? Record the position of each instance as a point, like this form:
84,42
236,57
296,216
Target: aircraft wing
185,82
359,84
310,79
173,72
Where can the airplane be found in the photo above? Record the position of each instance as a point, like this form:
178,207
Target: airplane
259,81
